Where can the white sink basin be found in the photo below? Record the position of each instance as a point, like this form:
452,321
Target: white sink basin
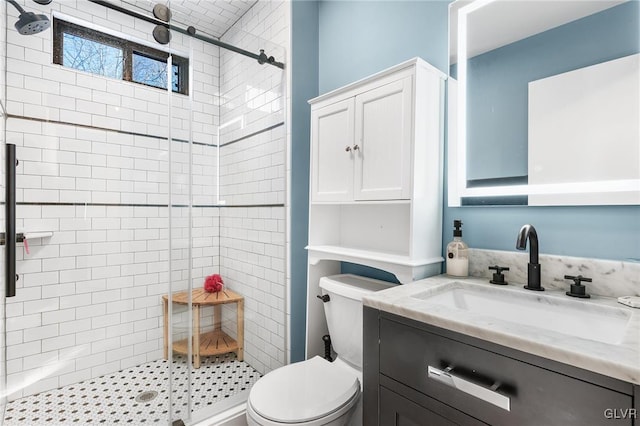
576,318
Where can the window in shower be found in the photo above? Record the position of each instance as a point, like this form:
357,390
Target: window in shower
92,56
99,53
153,72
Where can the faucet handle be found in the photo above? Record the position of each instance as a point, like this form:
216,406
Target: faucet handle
498,278
578,279
577,289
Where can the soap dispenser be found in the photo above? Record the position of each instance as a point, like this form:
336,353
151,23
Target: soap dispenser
457,253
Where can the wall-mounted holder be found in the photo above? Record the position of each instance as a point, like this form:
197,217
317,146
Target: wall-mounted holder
21,236
32,235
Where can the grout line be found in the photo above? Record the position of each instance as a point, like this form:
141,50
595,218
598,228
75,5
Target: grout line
236,21
125,132
201,206
86,126
266,129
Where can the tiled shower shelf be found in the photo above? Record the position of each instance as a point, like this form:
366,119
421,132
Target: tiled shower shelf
22,234
37,234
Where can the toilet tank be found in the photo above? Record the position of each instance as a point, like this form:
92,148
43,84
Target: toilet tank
344,312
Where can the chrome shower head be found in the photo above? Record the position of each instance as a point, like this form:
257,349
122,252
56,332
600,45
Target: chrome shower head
31,23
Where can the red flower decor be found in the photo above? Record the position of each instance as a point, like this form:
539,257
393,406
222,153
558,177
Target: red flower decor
213,283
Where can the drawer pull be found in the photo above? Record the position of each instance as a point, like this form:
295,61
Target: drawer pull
486,394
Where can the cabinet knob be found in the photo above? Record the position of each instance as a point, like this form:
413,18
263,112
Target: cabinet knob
348,149
356,147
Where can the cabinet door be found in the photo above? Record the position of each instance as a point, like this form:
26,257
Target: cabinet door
332,152
398,411
537,396
383,142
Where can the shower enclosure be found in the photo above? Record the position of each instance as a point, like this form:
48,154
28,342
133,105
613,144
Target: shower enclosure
128,192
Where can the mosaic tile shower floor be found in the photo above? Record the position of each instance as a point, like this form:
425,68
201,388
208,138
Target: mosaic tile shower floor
111,399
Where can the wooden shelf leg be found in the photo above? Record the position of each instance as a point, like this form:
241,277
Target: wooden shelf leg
196,336
217,317
240,337
165,312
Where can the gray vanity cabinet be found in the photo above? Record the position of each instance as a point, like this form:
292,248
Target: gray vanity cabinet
423,375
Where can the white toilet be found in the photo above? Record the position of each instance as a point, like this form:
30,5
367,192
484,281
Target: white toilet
317,392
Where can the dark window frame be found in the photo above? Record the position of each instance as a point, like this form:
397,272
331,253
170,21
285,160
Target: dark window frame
129,48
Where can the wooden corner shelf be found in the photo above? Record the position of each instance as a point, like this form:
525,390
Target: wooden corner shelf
209,343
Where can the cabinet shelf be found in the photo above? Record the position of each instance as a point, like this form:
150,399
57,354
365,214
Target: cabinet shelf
360,202
404,267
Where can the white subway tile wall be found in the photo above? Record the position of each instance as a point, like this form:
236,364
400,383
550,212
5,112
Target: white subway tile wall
252,171
95,169
252,262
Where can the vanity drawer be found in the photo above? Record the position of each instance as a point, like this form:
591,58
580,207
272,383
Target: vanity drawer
493,388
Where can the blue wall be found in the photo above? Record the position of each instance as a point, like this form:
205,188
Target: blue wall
304,86
598,232
358,38
498,83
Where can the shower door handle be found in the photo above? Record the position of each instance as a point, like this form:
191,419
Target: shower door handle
10,215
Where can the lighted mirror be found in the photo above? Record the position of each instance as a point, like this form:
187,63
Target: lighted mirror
544,102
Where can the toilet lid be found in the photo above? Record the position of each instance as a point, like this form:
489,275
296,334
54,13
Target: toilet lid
303,391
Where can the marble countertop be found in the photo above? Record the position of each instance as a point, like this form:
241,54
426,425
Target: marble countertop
621,361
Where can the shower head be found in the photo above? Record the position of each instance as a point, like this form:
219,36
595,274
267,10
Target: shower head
29,22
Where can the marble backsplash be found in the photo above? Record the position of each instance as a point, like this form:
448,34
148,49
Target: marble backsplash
610,277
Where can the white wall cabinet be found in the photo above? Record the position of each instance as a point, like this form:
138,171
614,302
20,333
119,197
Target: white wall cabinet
376,180
361,145
383,142
332,152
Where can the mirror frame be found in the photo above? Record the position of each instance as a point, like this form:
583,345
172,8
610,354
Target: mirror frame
457,129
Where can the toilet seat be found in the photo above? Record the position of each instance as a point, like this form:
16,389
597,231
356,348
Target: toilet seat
304,392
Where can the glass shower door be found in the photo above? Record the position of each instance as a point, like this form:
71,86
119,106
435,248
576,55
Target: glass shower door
87,316
3,368
228,161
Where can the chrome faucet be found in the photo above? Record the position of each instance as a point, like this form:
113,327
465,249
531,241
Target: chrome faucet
533,273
